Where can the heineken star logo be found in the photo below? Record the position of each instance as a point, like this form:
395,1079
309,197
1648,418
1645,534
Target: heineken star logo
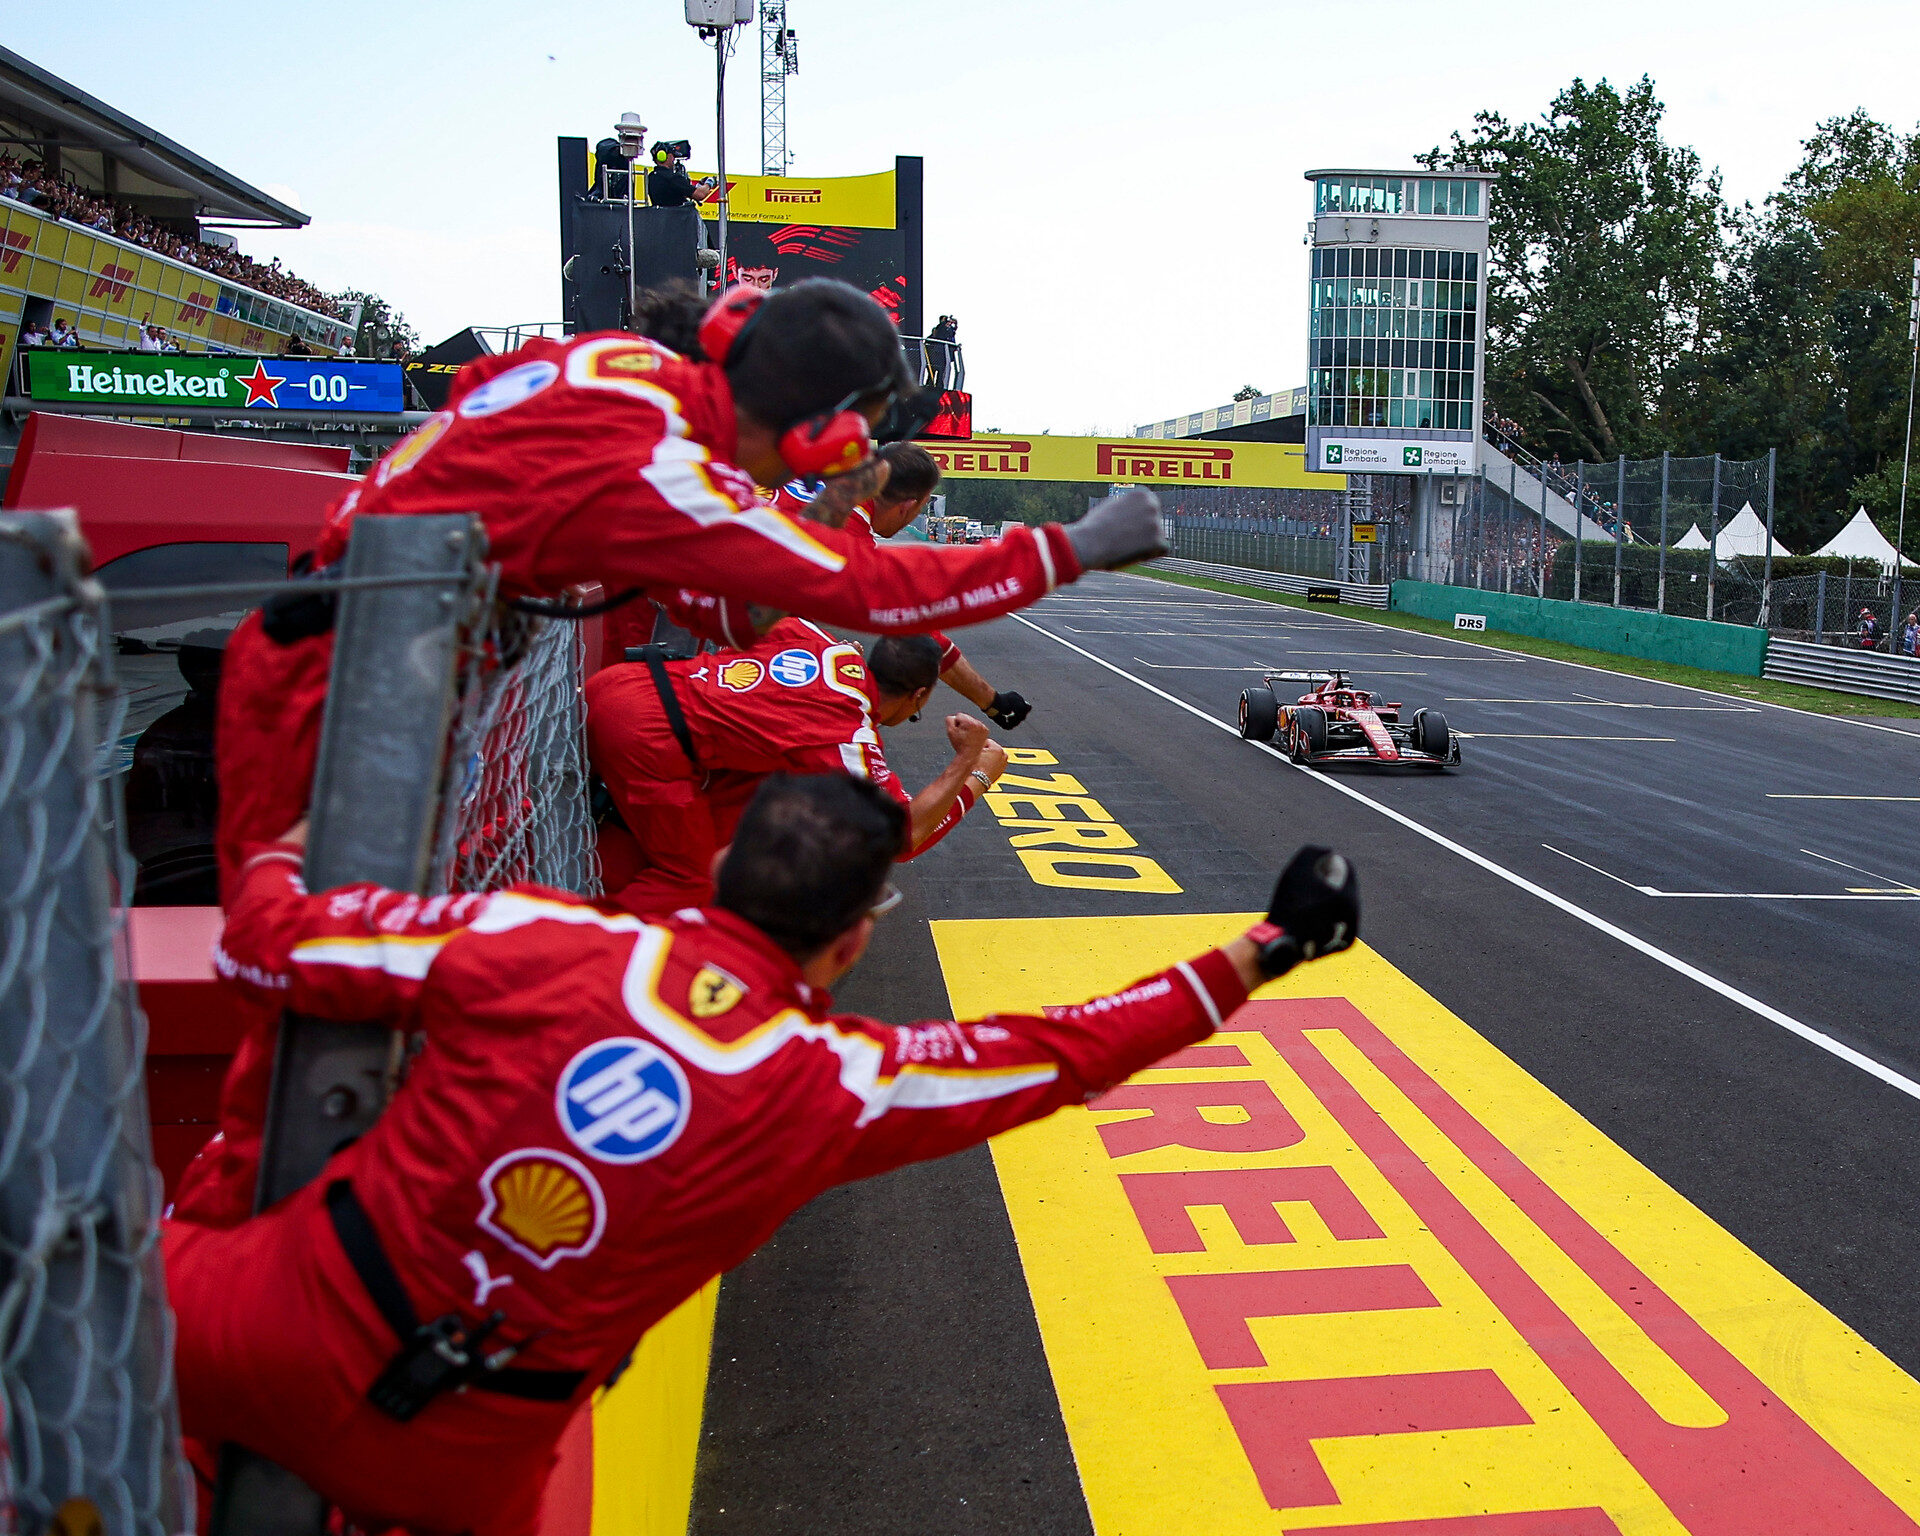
261,386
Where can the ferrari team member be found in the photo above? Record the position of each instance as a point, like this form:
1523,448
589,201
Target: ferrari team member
913,475
616,458
608,1114
682,746
613,458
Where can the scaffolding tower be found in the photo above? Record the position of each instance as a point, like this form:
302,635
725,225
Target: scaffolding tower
779,57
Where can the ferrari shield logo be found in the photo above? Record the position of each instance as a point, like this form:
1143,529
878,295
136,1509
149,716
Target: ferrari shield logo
741,676
714,992
850,671
625,362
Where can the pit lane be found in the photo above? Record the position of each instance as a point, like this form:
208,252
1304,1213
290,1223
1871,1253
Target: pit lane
880,1362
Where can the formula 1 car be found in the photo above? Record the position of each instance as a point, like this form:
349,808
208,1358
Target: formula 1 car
1333,722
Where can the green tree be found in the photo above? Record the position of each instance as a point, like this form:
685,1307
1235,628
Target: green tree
1607,247
384,331
1247,392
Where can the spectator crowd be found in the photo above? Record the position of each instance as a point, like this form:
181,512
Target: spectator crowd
27,182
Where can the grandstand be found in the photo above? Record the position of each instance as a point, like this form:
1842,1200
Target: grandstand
111,227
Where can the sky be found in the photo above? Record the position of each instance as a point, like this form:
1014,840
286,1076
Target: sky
1115,203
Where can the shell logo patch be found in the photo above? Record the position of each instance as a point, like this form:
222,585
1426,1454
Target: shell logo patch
741,676
714,992
544,1205
623,1100
794,668
625,363
510,388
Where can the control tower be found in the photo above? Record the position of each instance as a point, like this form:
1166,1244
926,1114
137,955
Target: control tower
1398,311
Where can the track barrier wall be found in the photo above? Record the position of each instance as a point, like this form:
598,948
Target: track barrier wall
1713,646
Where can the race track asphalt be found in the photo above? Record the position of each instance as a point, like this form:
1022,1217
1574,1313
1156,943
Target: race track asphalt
1647,896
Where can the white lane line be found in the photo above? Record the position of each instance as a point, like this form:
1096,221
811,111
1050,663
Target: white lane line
1853,893
1541,736
1263,666
1892,880
1593,920
1701,709
1585,666
1898,799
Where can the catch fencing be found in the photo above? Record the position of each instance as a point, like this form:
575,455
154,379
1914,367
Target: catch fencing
92,1427
85,1365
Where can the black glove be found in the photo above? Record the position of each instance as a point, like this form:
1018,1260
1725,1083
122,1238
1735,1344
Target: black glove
1119,531
1315,911
1008,709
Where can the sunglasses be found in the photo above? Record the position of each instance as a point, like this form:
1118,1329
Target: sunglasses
889,898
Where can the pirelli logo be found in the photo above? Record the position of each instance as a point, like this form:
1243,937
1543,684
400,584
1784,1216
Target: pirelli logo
1165,461
793,194
1005,456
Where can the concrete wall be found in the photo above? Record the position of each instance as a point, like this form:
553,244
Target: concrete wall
1735,648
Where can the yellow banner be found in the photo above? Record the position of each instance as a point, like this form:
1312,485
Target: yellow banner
1132,461
857,202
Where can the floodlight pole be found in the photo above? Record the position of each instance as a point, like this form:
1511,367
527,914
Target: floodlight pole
1906,462
720,43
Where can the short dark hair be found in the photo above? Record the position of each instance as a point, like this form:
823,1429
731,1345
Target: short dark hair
810,855
912,472
904,664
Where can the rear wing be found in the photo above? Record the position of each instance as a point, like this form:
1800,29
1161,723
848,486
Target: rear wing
1338,677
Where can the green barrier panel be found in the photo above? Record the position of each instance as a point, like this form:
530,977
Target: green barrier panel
1737,648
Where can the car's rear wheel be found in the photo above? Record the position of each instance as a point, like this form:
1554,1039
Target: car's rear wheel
1259,714
1430,733
1310,731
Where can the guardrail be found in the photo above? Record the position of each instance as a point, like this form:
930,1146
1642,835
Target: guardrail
1845,671
1360,594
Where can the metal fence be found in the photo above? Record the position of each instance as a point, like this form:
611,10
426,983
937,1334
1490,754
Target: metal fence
516,804
92,1429
1827,607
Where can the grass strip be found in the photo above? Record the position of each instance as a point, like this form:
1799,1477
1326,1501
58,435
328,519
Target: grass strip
1818,701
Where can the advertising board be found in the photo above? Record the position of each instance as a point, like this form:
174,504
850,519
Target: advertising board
1389,456
210,380
1132,461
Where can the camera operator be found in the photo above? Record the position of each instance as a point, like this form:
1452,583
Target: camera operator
668,185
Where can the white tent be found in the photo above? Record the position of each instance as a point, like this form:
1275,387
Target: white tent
1745,534
1693,538
1861,540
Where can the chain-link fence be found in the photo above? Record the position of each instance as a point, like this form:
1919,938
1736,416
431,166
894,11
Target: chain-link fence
516,804
1291,530
1831,607
92,1431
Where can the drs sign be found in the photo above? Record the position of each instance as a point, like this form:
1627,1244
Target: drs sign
243,384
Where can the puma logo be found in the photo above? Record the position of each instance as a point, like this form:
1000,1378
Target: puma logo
484,1284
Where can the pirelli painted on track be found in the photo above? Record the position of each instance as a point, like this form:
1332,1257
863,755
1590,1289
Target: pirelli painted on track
1348,1268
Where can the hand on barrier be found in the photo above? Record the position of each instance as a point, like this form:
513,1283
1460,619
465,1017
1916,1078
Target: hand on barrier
1119,531
1008,709
1315,911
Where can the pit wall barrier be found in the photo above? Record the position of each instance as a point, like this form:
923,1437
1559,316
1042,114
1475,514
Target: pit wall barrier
626,1462
1715,647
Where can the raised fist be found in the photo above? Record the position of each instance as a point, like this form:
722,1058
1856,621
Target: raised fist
1315,911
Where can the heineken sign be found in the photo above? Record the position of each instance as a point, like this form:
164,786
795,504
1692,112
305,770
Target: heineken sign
205,379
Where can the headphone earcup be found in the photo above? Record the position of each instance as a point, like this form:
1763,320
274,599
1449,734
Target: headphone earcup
823,446
727,318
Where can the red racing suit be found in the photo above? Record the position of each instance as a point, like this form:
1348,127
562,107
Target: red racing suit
800,701
603,458
608,1113
793,498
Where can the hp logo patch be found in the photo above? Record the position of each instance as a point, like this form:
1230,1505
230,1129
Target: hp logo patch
623,1100
795,668
509,389
800,490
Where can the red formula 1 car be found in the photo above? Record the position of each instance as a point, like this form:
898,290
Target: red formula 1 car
1336,722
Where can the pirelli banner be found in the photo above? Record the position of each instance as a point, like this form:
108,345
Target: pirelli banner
1133,461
